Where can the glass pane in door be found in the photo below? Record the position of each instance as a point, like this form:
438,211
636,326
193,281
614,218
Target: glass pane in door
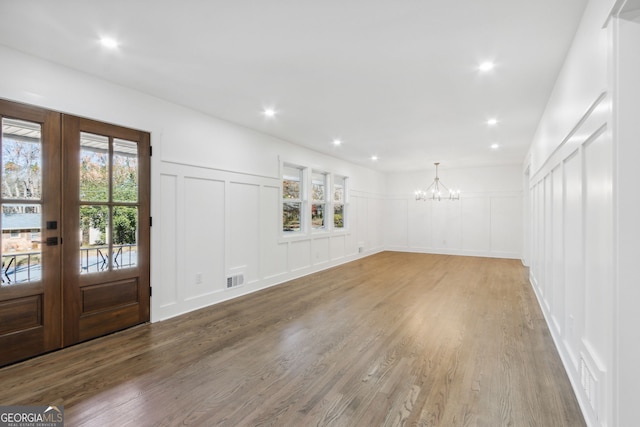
21,244
125,171
21,181
94,167
125,236
94,235
21,160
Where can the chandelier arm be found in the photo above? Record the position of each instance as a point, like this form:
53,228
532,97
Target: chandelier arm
445,188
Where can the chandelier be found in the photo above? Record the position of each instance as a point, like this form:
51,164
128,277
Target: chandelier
437,190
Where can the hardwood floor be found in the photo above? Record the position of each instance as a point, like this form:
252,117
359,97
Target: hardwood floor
392,339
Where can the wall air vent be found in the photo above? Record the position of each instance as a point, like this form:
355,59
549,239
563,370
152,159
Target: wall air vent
235,280
589,384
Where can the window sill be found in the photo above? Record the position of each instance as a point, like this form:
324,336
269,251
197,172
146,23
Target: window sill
296,237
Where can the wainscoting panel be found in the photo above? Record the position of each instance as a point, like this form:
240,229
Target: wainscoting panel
164,286
320,250
204,249
397,228
476,236
573,255
505,241
244,230
447,225
598,248
337,246
273,255
299,255
557,294
420,219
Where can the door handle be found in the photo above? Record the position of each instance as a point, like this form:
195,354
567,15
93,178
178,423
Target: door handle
52,241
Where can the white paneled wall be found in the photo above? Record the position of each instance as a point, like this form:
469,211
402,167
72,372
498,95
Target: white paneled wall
626,63
584,210
486,221
213,224
572,262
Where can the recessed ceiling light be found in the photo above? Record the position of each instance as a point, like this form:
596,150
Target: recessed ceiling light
109,43
492,122
337,142
486,66
495,146
374,158
269,112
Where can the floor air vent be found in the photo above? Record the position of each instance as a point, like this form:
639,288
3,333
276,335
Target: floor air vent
235,280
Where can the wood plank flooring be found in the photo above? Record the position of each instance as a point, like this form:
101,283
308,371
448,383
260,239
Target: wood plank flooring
394,339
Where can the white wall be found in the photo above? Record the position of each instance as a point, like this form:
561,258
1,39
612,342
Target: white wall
626,95
215,190
582,79
486,221
584,210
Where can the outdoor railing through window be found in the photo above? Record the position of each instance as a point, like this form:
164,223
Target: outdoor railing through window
96,258
25,266
21,267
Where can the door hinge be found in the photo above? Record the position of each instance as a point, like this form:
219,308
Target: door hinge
150,291
150,221
150,151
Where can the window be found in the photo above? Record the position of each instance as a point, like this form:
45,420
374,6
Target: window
108,183
313,201
339,202
318,200
292,196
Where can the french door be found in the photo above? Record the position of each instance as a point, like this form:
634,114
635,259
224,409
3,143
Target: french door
75,230
30,292
105,270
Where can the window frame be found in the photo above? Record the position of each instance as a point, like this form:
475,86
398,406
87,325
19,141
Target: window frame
306,201
319,202
344,203
301,200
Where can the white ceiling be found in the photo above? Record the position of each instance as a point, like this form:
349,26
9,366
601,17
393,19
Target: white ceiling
392,78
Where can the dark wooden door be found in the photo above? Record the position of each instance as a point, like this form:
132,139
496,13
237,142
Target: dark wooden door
30,291
106,228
